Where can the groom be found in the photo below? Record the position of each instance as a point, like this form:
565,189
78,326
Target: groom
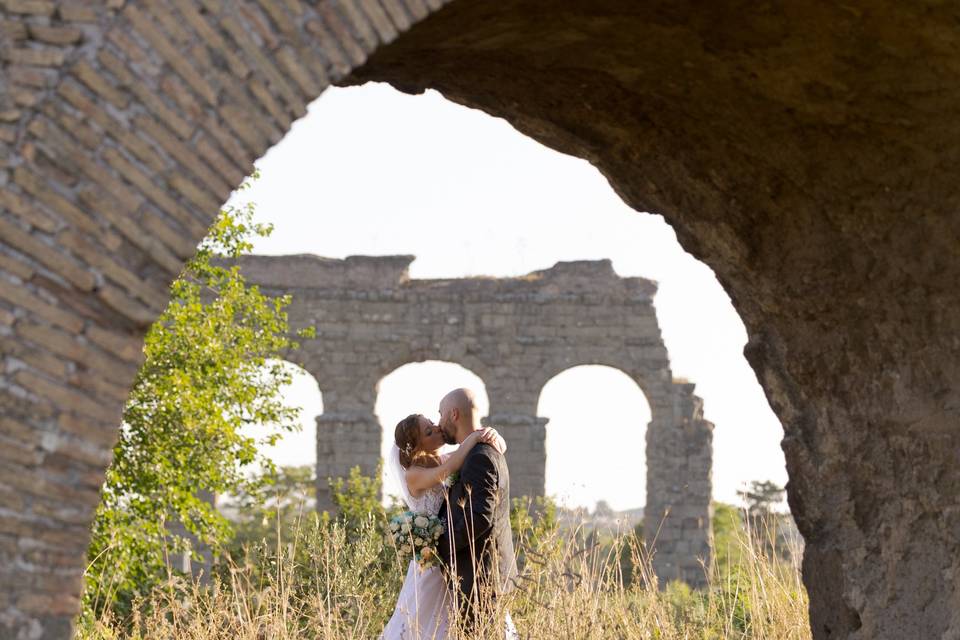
477,547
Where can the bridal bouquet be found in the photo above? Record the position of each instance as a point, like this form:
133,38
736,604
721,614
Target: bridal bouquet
415,535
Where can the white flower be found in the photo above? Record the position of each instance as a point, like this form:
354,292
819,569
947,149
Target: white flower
405,528
418,541
421,521
394,526
406,548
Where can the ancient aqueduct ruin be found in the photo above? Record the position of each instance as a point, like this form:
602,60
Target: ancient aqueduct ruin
515,334
807,152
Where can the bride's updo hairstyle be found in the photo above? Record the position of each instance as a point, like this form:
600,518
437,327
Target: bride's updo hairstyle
407,437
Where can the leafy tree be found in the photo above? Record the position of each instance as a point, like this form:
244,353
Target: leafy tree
768,527
761,497
603,510
211,368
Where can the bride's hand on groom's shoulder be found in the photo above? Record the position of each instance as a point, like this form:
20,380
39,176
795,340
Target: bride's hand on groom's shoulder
492,437
487,435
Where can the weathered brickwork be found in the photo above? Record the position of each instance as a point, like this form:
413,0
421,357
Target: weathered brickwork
515,334
123,126
804,151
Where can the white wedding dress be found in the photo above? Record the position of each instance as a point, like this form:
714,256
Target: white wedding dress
423,608
422,611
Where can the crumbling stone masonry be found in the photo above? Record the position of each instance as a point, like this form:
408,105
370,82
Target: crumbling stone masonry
515,334
805,151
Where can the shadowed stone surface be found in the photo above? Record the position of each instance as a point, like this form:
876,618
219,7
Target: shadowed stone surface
515,334
808,152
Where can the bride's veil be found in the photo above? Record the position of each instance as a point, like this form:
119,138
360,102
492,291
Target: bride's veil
396,470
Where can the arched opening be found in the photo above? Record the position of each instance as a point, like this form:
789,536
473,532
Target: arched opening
282,447
596,439
417,388
294,448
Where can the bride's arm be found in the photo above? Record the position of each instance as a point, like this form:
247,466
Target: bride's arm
419,479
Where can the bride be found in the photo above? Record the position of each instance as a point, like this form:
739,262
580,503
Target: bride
422,608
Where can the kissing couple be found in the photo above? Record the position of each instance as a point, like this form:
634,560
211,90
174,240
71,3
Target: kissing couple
475,550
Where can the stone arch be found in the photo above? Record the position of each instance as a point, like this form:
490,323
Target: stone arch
679,456
308,387
650,381
435,353
426,397
589,431
510,332
800,159
349,432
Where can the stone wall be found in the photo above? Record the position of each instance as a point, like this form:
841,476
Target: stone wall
515,334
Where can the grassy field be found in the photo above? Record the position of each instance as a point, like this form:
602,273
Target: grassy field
340,582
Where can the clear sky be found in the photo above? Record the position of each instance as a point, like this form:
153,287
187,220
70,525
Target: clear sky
373,171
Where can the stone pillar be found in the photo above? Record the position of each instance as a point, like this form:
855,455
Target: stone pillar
526,438
677,521
345,439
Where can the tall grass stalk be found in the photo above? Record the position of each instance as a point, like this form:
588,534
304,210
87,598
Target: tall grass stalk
333,583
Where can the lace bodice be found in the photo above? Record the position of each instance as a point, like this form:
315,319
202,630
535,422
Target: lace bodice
431,499
429,502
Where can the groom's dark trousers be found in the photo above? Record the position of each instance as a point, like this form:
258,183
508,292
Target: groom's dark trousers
477,547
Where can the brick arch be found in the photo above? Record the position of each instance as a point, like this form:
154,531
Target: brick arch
303,369
123,127
804,152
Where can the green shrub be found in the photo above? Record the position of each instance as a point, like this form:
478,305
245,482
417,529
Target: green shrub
211,368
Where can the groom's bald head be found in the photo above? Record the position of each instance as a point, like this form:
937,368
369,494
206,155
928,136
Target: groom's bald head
462,399
458,414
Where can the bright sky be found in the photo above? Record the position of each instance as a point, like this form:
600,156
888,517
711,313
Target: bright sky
373,171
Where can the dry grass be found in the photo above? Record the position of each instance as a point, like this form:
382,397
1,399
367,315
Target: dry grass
327,583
